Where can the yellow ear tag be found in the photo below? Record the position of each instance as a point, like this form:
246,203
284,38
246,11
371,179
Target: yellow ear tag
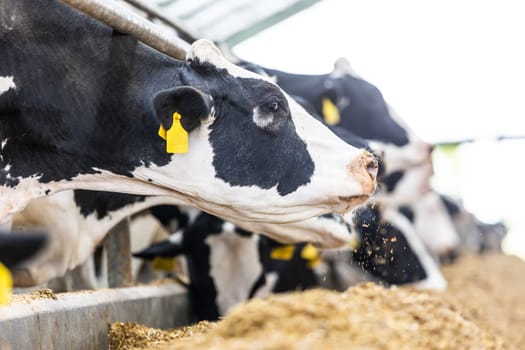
284,252
6,284
330,112
162,132
177,137
311,254
163,264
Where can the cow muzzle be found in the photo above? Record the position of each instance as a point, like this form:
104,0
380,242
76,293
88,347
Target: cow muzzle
364,170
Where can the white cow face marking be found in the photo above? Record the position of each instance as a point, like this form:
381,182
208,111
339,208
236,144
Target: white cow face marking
234,266
6,83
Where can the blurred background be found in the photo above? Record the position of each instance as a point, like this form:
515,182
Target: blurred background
453,70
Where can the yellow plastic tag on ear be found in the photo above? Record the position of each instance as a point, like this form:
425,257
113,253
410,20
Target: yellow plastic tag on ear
6,284
177,137
162,132
309,252
330,112
163,264
284,252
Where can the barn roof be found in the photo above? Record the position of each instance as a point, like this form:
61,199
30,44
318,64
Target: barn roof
230,21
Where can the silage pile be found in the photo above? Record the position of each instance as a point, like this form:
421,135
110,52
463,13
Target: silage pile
490,290
364,317
484,308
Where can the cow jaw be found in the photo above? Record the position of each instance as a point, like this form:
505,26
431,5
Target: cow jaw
320,231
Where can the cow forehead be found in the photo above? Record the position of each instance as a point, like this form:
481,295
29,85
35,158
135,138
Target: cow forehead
205,51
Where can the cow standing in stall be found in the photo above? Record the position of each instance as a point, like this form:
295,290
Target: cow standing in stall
81,106
227,265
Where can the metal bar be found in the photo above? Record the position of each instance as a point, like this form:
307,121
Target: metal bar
125,21
277,17
118,249
154,12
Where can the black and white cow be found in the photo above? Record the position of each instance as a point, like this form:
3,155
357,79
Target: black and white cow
228,265
345,100
391,249
435,227
81,106
79,220
475,235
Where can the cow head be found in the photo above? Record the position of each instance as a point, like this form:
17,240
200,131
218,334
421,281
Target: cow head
250,143
435,226
392,251
347,102
224,263
363,110
253,153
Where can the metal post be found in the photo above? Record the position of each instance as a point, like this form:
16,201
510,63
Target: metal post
126,21
118,249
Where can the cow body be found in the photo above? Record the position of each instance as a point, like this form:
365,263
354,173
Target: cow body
227,265
79,220
80,107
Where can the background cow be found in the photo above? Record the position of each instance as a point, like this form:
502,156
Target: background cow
227,265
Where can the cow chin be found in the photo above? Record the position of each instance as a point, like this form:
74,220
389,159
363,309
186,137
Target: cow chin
349,203
321,232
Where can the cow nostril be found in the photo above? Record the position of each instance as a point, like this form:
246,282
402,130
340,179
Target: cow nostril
372,168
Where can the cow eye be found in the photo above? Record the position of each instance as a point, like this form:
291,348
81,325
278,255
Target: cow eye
271,113
273,106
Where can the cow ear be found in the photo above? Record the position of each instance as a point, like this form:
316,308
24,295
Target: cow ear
342,67
164,249
191,104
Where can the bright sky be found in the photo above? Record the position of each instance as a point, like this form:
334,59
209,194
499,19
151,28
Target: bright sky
453,69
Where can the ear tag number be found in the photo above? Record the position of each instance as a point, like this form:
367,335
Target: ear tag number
6,284
330,112
176,137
